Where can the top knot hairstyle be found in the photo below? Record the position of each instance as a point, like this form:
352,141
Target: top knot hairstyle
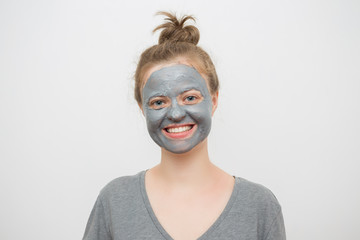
176,40
175,30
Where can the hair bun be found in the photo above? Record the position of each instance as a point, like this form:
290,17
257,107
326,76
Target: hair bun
175,31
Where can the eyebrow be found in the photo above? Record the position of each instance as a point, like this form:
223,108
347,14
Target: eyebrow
156,94
190,89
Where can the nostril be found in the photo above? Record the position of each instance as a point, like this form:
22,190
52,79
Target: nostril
176,113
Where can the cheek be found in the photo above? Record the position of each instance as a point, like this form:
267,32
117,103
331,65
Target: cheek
154,118
200,112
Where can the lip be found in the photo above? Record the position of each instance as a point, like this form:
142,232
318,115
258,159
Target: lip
181,135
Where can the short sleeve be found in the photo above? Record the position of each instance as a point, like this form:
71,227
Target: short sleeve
277,230
97,228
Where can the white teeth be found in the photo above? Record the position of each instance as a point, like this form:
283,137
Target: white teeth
179,129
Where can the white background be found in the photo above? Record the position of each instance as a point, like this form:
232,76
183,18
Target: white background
288,116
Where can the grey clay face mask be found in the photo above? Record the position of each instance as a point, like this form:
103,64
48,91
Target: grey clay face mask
177,107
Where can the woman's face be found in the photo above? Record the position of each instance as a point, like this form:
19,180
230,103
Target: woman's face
178,107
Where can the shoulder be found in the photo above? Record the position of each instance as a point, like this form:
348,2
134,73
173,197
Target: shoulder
124,186
256,197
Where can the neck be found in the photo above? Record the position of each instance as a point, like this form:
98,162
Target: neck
188,169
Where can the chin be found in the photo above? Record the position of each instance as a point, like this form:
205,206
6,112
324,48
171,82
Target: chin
176,149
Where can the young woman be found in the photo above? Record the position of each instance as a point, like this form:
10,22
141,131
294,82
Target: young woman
185,196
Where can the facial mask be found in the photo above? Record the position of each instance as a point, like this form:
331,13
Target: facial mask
177,107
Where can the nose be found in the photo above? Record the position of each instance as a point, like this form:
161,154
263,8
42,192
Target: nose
175,113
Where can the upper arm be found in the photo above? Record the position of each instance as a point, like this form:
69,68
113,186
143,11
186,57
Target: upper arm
277,228
97,226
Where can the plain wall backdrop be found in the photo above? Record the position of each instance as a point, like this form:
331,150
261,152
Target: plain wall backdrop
288,115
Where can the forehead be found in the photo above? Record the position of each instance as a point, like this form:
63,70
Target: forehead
174,79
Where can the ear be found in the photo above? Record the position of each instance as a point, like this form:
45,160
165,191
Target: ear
214,100
141,108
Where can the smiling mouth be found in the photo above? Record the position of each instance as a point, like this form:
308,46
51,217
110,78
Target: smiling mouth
179,131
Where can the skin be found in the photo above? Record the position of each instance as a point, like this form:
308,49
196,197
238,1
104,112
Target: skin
186,190
177,96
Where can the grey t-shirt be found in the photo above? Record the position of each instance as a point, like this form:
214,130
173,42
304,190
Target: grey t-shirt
123,211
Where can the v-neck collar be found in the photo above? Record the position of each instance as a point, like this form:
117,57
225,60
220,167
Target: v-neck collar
208,231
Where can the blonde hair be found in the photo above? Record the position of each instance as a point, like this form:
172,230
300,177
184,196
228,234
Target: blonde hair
176,40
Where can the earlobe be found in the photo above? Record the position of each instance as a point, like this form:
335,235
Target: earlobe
142,110
214,99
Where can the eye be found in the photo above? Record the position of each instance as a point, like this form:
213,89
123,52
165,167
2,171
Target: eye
190,98
158,103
